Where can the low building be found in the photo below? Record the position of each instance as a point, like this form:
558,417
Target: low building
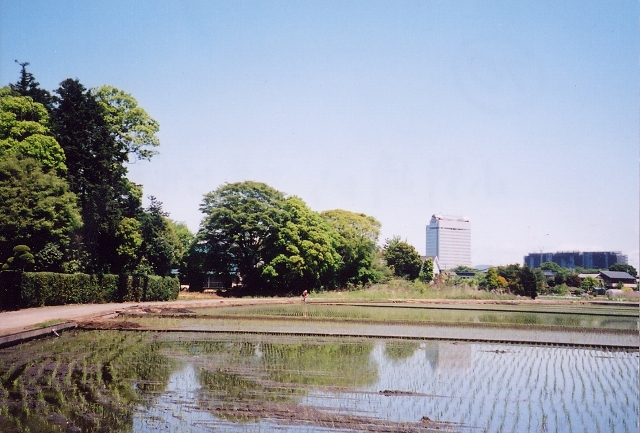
612,279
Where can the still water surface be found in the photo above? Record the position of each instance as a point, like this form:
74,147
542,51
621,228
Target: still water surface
193,382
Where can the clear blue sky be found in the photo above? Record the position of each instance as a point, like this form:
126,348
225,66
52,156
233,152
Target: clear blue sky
522,116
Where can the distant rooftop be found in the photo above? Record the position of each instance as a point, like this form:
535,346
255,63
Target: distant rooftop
450,218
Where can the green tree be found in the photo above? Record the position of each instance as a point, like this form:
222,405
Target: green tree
129,242
426,271
623,267
494,281
95,173
28,86
528,282
511,273
134,130
161,247
589,284
403,257
357,236
573,280
22,259
238,233
551,266
304,255
36,208
541,280
463,268
24,130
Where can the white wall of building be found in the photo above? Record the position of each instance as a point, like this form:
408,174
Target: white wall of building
449,238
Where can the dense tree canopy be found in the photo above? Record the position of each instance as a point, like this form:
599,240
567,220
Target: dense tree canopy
276,244
240,229
357,236
161,248
95,171
86,136
304,255
624,267
36,208
403,257
518,280
24,130
426,271
134,130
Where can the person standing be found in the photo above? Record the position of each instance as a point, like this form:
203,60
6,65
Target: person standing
304,295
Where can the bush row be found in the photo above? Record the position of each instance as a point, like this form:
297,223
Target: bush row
37,289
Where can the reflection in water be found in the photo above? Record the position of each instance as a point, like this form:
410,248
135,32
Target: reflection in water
144,382
513,388
454,356
180,409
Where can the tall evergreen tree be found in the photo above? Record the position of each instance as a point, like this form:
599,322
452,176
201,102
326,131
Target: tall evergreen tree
28,86
95,171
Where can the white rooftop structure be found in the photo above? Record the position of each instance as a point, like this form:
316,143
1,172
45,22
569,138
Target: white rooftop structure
449,238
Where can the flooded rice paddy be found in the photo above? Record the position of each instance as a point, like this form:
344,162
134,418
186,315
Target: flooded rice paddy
119,381
593,317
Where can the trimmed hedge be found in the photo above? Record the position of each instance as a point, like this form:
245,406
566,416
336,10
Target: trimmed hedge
37,289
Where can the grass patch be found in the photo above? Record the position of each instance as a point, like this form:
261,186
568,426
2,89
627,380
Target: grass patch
403,289
49,323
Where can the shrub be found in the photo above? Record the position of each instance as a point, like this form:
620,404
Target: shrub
37,289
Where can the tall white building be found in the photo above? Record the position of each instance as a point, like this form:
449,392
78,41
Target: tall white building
449,238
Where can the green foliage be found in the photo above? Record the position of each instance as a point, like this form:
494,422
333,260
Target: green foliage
304,255
24,131
624,267
426,271
129,242
158,288
239,231
463,268
551,266
403,257
38,289
160,246
589,284
134,130
517,280
36,207
95,171
573,280
357,235
28,86
49,258
21,260
493,281
528,282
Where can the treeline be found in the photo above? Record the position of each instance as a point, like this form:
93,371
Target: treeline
67,207
256,236
64,191
514,279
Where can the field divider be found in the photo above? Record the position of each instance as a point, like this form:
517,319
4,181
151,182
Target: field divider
609,338
302,319
31,334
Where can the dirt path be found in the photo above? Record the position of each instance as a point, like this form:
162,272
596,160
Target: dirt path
21,320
